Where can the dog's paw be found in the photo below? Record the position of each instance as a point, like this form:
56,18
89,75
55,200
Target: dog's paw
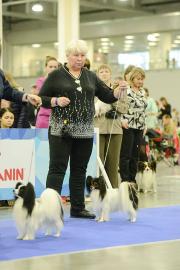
19,237
26,238
57,234
100,220
133,219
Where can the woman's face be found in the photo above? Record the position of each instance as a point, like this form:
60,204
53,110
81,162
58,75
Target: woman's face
138,81
51,66
7,120
104,74
76,60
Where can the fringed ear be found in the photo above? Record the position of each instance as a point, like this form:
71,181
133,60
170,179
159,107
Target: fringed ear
140,166
102,187
153,165
88,183
18,184
29,198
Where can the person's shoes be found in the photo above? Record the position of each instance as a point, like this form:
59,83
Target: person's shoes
82,214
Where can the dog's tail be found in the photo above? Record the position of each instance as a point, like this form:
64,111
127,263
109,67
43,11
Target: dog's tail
59,199
29,198
128,194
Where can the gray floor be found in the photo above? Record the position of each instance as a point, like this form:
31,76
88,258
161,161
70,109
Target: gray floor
152,256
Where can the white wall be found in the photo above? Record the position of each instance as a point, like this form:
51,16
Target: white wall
164,83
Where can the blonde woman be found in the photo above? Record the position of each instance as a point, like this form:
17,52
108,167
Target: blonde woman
133,123
108,120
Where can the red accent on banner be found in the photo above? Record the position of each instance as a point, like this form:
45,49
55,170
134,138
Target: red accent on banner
13,174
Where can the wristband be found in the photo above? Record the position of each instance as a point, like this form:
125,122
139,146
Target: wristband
56,101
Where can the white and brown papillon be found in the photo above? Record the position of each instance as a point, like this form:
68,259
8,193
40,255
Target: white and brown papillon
30,213
105,200
146,176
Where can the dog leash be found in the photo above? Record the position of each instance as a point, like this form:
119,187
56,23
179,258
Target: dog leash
112,126
30,167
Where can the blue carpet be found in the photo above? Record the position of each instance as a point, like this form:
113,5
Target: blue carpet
153,224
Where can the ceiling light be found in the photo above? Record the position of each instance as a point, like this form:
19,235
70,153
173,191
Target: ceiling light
177,41
36,45
104,43
152,43
129,37
152,37
104,39
37,7
129,41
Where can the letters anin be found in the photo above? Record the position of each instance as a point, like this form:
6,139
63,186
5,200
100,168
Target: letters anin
12,174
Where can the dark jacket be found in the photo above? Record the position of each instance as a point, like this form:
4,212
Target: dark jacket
7,92
20,111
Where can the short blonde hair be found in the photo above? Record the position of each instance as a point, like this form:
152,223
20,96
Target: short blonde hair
104,66
136,72
77,46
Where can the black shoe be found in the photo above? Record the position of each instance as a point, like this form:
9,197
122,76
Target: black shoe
82,214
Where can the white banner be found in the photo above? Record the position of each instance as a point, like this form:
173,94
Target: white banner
17,162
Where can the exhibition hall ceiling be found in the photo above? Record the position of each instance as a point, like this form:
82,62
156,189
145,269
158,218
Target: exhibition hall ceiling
15,11
18,12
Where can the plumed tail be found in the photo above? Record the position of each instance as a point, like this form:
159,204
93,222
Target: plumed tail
128,195
29,198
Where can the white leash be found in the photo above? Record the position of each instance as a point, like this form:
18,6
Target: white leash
101,165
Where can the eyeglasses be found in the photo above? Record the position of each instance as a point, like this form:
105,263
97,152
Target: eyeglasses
79,88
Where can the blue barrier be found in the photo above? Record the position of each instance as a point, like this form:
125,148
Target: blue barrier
40,137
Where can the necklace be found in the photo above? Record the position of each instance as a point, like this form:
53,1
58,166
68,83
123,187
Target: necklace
76,79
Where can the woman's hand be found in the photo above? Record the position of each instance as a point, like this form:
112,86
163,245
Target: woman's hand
124,124
60,101
120,90
34,99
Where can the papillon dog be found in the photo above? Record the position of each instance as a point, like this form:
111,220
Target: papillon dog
105,200
30,213
146,176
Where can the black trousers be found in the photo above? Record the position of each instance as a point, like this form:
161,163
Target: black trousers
130,154
79,152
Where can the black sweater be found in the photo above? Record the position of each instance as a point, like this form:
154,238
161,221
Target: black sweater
80,112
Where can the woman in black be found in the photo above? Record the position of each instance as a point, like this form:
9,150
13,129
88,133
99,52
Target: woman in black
70,91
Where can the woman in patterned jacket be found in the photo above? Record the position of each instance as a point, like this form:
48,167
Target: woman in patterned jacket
133,123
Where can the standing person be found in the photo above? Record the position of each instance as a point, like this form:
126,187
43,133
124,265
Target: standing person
20,110
70,91
133,123
6,121
42,120
109,123
151,111
127,72
8,93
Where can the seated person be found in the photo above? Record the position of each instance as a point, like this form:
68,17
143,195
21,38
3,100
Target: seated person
170,132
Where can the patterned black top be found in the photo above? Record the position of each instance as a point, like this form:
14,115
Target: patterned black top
137,104
81,91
